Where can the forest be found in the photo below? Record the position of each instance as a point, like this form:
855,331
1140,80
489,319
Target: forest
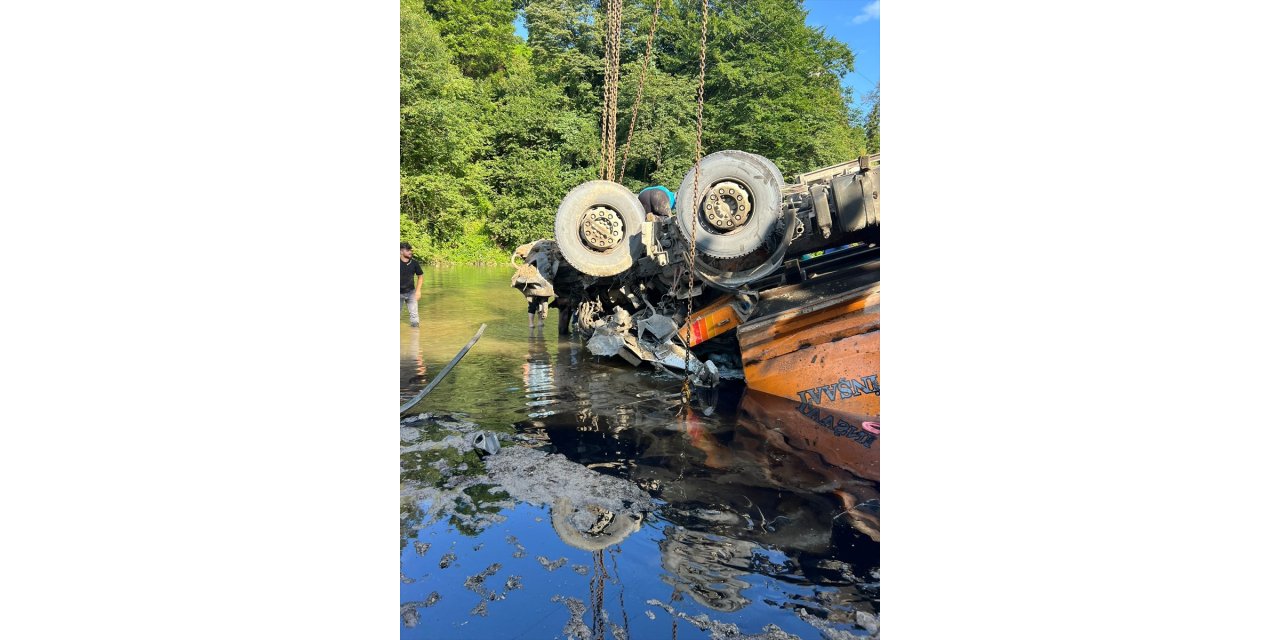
496,129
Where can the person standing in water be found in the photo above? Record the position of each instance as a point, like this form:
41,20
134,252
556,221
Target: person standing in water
537,309
409,289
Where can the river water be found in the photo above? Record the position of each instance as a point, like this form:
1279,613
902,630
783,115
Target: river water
739,518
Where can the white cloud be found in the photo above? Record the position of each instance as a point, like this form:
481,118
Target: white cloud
869,12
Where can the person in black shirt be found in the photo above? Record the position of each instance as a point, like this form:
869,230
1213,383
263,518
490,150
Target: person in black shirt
409,290
656,201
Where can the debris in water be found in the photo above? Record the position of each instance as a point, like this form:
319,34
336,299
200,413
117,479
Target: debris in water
405,579
832,632
539,478
409,610
724,630
448,560
618,632
520,552
478,547
580,569
481,609
409,616
513,583
650,614
549,565
476,583
868,621
575,628
421,547
485,441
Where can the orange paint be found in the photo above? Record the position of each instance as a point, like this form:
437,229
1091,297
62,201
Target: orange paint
710,321
825,353
799,432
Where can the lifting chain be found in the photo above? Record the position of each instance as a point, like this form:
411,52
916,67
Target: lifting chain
686,391
609,112
644,72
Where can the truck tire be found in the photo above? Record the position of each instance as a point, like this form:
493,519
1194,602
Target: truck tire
763,185
777,174
616,204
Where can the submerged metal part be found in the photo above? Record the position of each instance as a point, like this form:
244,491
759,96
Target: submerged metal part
537,264
485,441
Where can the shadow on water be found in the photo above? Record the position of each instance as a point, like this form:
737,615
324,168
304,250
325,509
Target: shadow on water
753,516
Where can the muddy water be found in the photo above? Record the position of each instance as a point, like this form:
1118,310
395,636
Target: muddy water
609,512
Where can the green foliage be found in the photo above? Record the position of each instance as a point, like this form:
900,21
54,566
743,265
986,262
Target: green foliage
478,32
873,122
494,130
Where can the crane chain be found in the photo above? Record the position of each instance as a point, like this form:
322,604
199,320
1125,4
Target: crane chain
609,112
644,72
686,391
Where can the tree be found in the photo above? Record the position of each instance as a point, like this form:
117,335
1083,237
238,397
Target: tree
494,130
477,32
873,121
441,181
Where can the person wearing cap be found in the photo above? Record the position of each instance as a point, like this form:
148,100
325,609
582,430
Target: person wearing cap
409,290
658,201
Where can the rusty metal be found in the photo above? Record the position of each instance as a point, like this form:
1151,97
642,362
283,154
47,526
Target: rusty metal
686,389
609,109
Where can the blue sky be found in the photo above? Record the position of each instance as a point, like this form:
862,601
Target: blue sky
857,24
853,22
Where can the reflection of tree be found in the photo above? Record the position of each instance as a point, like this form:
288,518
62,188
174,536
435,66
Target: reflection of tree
468,514
438,478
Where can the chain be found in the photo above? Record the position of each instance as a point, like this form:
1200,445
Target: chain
644,72
609,112
597,595
615,21
686,391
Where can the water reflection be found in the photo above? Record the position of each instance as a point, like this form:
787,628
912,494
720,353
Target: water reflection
747,504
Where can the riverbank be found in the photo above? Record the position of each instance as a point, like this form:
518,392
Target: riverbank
470,245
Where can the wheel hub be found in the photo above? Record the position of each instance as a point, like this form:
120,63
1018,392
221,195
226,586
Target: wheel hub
602,228
728,206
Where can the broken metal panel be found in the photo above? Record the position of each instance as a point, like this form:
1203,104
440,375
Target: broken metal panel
537,264
657,327
716,319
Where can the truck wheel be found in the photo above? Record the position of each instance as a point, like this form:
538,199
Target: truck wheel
598,228
739,202
772,168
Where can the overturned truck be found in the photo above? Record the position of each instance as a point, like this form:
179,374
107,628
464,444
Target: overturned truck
782,289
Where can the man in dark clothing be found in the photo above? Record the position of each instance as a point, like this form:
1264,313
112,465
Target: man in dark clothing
409,290
657,200
562,305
